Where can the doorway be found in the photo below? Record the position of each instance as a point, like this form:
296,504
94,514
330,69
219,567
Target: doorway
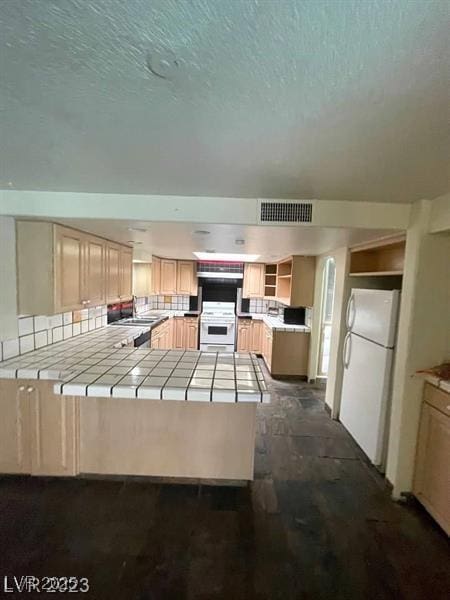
326,315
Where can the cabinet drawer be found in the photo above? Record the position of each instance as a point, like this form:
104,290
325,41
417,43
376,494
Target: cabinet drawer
437,398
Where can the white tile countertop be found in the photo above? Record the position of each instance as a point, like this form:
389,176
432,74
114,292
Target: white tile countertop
275,323
96,364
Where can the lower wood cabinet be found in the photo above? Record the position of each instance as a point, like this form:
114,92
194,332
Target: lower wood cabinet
178,333
432,470
38,429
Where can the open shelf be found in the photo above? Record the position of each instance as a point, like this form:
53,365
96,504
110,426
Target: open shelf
384,259
284,276
376,273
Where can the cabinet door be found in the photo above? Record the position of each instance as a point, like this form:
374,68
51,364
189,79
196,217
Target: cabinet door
191,334
68,265
186,278
53,431
432,473
253,285
156,275
112,273
94,271
179,339
256,336
168,276
15,452
141,279
244,336
126,283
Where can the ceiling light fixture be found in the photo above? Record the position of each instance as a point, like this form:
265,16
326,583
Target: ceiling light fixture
228,256
239,242
138,229
201,232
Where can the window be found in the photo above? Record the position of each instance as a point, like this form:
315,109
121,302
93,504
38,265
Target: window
326,316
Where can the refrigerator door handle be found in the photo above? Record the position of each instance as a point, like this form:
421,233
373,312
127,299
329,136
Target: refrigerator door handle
350,310
347,350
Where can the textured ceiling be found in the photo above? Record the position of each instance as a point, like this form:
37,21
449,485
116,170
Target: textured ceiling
288,98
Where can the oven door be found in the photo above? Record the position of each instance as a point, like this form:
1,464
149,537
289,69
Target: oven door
216,333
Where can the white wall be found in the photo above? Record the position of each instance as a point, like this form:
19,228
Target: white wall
423,338
440,214
8,285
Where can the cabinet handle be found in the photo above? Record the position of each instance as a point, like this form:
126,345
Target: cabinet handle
21,388
30,389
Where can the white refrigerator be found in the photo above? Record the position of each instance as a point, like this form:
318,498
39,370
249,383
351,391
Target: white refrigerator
368,355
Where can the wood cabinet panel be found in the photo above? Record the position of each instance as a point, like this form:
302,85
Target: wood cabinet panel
94,271
156,275
15,450
168,276
126,273
142,284
253,284
53,431
186,278
256,336
432,470
69,272
38,429
244,339
178,333
112,272
191,334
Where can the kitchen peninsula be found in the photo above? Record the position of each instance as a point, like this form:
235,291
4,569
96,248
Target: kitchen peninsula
93,405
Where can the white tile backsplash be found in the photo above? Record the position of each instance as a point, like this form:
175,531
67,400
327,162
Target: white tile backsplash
41,330
10,348
41,323
25,326
67,318
26,343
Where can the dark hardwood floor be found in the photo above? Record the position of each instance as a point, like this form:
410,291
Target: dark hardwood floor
317,523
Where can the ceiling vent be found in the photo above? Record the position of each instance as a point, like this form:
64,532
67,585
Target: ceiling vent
285,211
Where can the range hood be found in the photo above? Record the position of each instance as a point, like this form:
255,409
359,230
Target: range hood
220,270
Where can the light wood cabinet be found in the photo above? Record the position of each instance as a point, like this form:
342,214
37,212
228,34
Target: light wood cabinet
126,273
378,258
432,469
94,270
244,338
112,272
15,448
256,341
253,284
266,350
69,271
168,276
295,281
176,333
186,278
285,352
142,279
38,429
156,275
191,333
53,431
61,269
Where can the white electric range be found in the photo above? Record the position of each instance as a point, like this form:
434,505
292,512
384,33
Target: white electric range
218,327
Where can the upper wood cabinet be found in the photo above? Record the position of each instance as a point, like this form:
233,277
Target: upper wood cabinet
168,276
126,273
253,284
186,278
171,277
61,269
156,275
142,279
112,272
94,274
295,281
378,258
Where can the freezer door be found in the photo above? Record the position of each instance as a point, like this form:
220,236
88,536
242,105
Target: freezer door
373,314
365,394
